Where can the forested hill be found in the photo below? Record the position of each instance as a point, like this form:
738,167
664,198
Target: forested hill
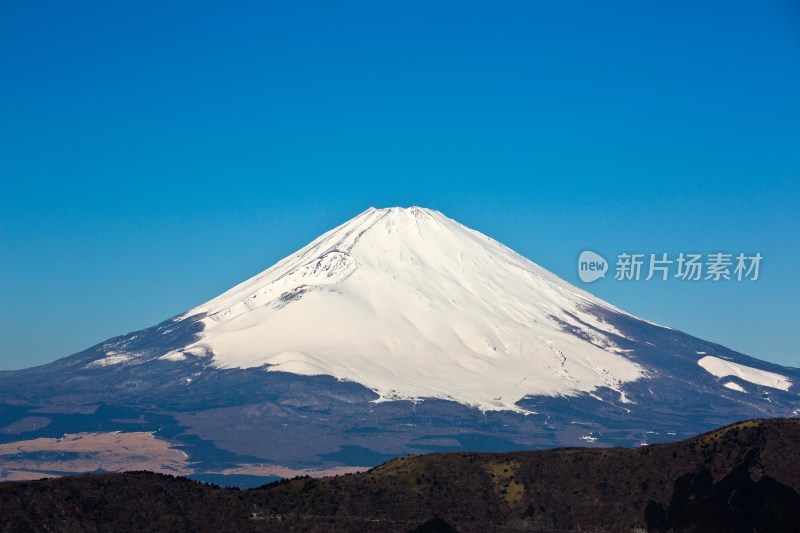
743,477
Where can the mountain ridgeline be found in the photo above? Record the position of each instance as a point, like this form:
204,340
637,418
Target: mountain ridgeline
741,478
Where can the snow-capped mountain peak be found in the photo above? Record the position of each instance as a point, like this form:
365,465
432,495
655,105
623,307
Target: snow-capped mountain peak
412,305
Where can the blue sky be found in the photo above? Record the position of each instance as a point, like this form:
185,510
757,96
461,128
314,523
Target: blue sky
153,154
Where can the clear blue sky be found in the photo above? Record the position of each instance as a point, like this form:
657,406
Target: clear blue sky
153,154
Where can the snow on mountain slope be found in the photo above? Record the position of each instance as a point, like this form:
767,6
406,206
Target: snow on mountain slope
413,304
721,368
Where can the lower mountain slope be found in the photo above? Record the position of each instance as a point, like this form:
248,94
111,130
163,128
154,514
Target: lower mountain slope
741,478
227,417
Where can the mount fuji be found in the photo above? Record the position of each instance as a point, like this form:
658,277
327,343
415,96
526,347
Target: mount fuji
413,305
397,332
